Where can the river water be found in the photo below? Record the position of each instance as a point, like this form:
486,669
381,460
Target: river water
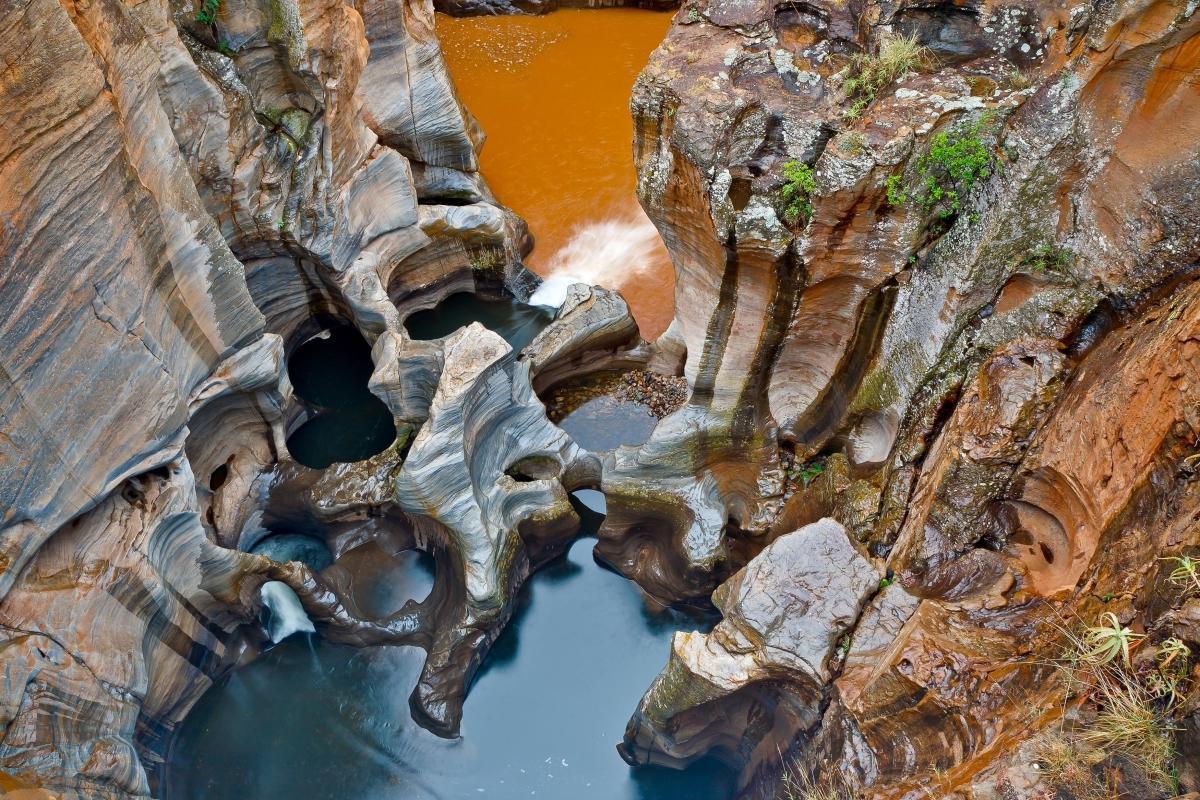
552,94
311,720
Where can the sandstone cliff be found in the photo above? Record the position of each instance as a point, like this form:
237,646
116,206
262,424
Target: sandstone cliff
184,202
977,319
939,333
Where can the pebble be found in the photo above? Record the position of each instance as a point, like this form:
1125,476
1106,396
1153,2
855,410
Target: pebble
660,394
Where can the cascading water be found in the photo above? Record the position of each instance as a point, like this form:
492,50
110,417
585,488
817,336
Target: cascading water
285,614
552,92
608,253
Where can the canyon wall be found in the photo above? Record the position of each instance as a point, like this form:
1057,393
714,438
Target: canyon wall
185,198
923,429
989,384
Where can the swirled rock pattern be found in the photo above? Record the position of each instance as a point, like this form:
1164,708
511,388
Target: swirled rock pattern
766,665
183,204
992,400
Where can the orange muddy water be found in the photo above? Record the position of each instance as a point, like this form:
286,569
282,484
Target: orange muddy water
552,94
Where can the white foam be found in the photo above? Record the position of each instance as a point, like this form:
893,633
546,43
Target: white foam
286,614
607,253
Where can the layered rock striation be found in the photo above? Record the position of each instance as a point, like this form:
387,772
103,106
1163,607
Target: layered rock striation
939,333
185,202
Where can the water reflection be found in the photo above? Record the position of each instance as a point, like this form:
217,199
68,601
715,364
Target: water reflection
330,373
516,322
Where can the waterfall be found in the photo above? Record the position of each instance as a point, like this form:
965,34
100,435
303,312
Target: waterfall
607,253
285,614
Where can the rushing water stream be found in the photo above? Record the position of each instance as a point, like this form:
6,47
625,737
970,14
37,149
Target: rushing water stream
552,94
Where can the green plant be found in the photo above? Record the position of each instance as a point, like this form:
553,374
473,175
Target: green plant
1171,649
980,85
946,173
868,75
799,786
1046,257
810,471
1187,571
1133,708
208,11
853,143
1105,642
1018,80
486,260
886,582
799,186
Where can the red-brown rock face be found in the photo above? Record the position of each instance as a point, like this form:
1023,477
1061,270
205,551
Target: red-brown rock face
1010,377
943,387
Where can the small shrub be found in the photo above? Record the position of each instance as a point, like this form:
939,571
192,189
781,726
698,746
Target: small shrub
207,14
1129,725
1018,80
868,75
799,186
486,260
1070,767
1171,649
853,143
799,786
1134,707
810,471
955,162
980,85
1047,257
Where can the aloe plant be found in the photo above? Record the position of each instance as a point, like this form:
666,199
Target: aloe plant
1187,570
1105,642
1171,649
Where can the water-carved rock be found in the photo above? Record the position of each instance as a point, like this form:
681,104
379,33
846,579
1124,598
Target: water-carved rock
745,689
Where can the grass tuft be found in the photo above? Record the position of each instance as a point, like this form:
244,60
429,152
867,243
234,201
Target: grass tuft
868,75
1130,725
802,787
1134,707
1071,767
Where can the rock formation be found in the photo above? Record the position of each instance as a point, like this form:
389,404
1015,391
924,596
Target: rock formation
997,384
185,203
939,332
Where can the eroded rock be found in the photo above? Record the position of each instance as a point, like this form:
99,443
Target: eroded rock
760,677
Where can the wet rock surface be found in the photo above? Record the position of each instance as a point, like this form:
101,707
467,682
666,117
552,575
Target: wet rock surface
661,395
234,189
923,368
910,435
762,672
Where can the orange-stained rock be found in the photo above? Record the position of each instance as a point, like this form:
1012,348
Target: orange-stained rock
1013,382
